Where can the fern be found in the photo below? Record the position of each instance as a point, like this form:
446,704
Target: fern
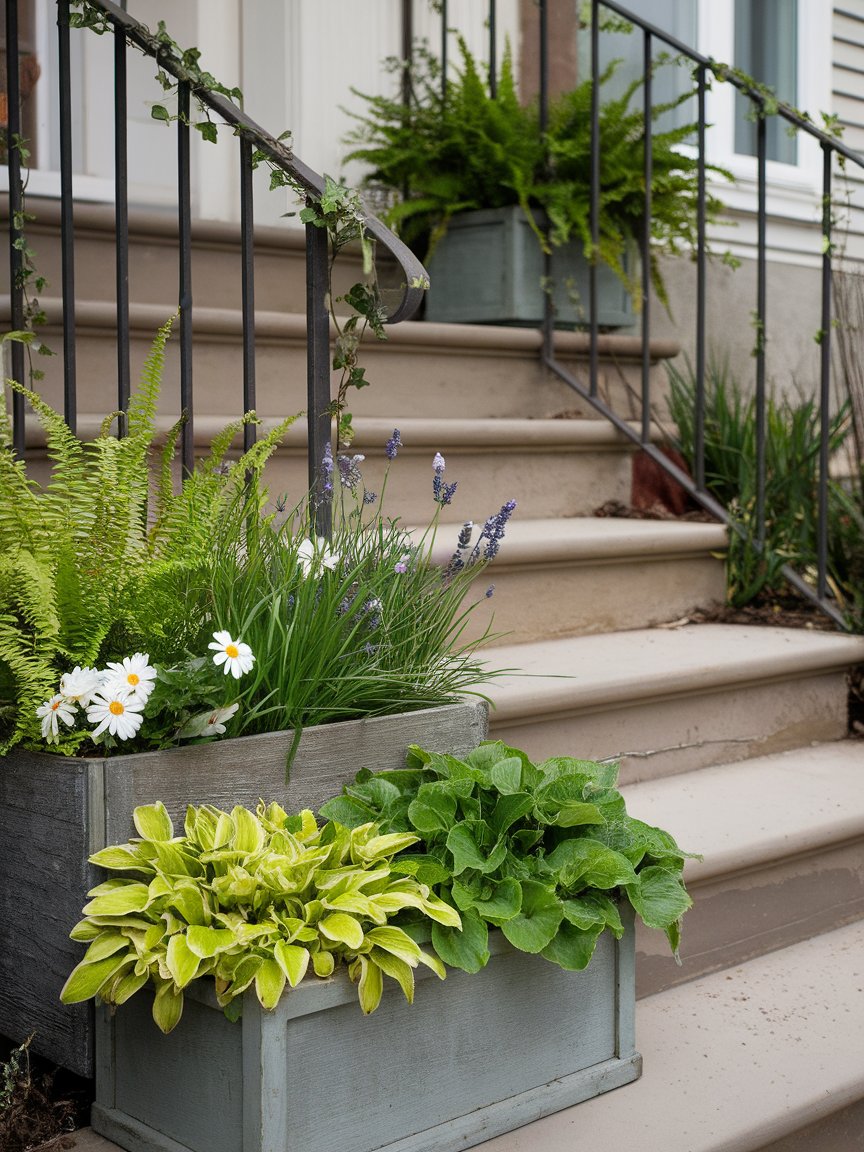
85,577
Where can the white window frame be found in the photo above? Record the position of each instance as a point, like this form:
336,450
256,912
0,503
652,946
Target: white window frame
794,190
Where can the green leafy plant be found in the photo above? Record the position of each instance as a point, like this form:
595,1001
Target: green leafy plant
97,563
249,899
542,851
792,445
464,149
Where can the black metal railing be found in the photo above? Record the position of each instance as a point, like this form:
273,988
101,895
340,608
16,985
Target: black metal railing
586,384
251,141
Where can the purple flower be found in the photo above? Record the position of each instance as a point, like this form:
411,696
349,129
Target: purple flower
438,466
349,470
490,592
326,472
493,531
393,445
447,493
401,566
370,497
465,535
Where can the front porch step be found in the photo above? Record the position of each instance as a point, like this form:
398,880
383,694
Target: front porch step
479,372
746,1060
665,701
557,578
782,840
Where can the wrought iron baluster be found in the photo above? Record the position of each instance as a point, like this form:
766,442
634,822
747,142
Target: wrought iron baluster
493,50
443,49
648,170
594,368
543,109
825,378
701,291
184,199
761,330
121,225
67,233
16,208
318,371
247,261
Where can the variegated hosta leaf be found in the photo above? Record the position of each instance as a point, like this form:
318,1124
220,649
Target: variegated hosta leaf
86,979
293,960
167,1007
370,985
182,963
153,822
206,942
132,897
397,942
323,964
400,971
342,928
269,983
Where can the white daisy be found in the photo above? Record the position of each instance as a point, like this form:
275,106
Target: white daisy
236,656
312,557
207,723
134,674
57,708
79,685
118,712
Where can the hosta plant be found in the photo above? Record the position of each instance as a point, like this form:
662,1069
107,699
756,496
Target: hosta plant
249,899
543,851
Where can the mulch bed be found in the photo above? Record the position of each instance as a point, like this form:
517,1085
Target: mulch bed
40,1105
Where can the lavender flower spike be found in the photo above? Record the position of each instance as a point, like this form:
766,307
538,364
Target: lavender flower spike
393,445
438,467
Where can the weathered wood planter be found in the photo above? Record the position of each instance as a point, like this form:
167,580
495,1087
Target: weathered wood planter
55,811
473,1057
488,268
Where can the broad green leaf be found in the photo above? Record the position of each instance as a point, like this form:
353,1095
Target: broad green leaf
572,948
603,775
392,966
467,949
248,832
395,941
467,853
375,792
84,931
85,980
593,908
293,960
206,942
426,869
182,963
323,964
344,810
120,859
509,809
269,984
434,809
537,920
189,901
370,985
128,985
659,896
105,944
504,903
573,813
506,775
172,860
582,862
153,822
167,1008
341,927
132,897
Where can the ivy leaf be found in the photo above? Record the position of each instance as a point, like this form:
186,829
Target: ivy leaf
538,918
160,112
208,130
467,949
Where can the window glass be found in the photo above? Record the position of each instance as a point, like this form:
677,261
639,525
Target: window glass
766,48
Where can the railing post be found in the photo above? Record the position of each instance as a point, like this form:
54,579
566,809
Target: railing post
594,369
319,416
247,271
70,404
184,197
16,207
121,225
825,379
648,175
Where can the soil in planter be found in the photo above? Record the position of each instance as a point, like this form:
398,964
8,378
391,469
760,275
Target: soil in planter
41,1105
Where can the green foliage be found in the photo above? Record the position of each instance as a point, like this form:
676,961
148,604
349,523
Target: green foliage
248,898
467,149
541,851
90,567
792,444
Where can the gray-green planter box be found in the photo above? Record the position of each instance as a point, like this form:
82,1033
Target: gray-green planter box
488,269
473,1057
56,811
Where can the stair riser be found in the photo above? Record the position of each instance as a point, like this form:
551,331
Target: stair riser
738,917
687,732
407,375
547,601
841,1131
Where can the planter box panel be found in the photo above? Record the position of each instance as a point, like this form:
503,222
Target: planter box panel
43,877
473,1057
56,811
488,268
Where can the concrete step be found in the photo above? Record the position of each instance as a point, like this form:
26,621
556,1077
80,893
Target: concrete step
782,841
665,701
764,1057
422,369
552,467
758,1057
557,578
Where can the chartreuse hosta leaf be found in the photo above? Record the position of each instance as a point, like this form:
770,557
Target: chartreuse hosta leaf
544,851
253,899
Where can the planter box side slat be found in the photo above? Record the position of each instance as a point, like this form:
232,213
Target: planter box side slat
43,845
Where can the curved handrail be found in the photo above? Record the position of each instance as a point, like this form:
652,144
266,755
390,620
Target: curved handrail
415,274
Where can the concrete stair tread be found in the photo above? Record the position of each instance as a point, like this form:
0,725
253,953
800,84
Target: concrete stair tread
732,1061
583,672
743,815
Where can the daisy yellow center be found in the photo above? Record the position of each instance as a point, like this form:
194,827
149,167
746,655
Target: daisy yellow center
116,708
232,650
55,705
133,678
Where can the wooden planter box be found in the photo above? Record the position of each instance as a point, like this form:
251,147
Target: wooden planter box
488,268
56,811
473,1057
